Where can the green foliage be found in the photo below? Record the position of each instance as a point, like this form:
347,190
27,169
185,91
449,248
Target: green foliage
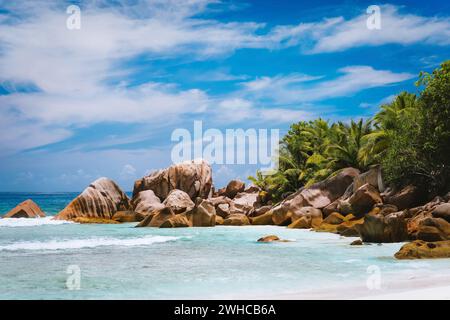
419,150
409,137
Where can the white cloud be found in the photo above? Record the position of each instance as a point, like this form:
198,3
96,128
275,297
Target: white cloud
128,171
396,28
292,89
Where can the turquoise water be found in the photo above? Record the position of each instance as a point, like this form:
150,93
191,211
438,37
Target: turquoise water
123,262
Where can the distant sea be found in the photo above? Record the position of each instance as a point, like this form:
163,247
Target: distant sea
122,262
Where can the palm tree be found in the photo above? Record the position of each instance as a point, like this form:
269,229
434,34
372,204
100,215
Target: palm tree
386,121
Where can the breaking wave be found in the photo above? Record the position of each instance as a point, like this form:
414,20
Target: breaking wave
30,222
85,243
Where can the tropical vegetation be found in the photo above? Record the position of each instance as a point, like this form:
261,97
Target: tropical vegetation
408,137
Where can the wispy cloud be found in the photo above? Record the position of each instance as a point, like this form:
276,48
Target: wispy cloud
294,88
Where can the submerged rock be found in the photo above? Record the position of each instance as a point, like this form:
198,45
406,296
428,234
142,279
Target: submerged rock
101,199
268,238
357,242
192,177
424,250
25,209
272,238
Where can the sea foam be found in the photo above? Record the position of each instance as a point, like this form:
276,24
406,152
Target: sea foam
30,222
85,243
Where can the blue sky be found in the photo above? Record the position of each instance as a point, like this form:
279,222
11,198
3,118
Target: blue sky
103,100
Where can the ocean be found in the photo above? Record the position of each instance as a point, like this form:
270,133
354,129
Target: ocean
38,258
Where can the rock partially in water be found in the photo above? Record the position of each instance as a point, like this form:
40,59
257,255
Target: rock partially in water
157,218
203,215
420,249
25,209
88,220
178,221
101,199
378,228
127,216
271,238
357,242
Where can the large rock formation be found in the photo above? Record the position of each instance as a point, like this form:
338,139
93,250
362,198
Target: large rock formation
323,193
244,202
407,197
442,211
203,215
26,209
236,220
193,177
319,195
145,202
372,176
157,218
363,200
305,218
424,227
102,199
177,221
179,201
263,219
379,228
424,250
233,188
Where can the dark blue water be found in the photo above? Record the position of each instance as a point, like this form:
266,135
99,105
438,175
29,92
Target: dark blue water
50,203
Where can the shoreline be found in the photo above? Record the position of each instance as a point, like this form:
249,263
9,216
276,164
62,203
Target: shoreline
404,289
